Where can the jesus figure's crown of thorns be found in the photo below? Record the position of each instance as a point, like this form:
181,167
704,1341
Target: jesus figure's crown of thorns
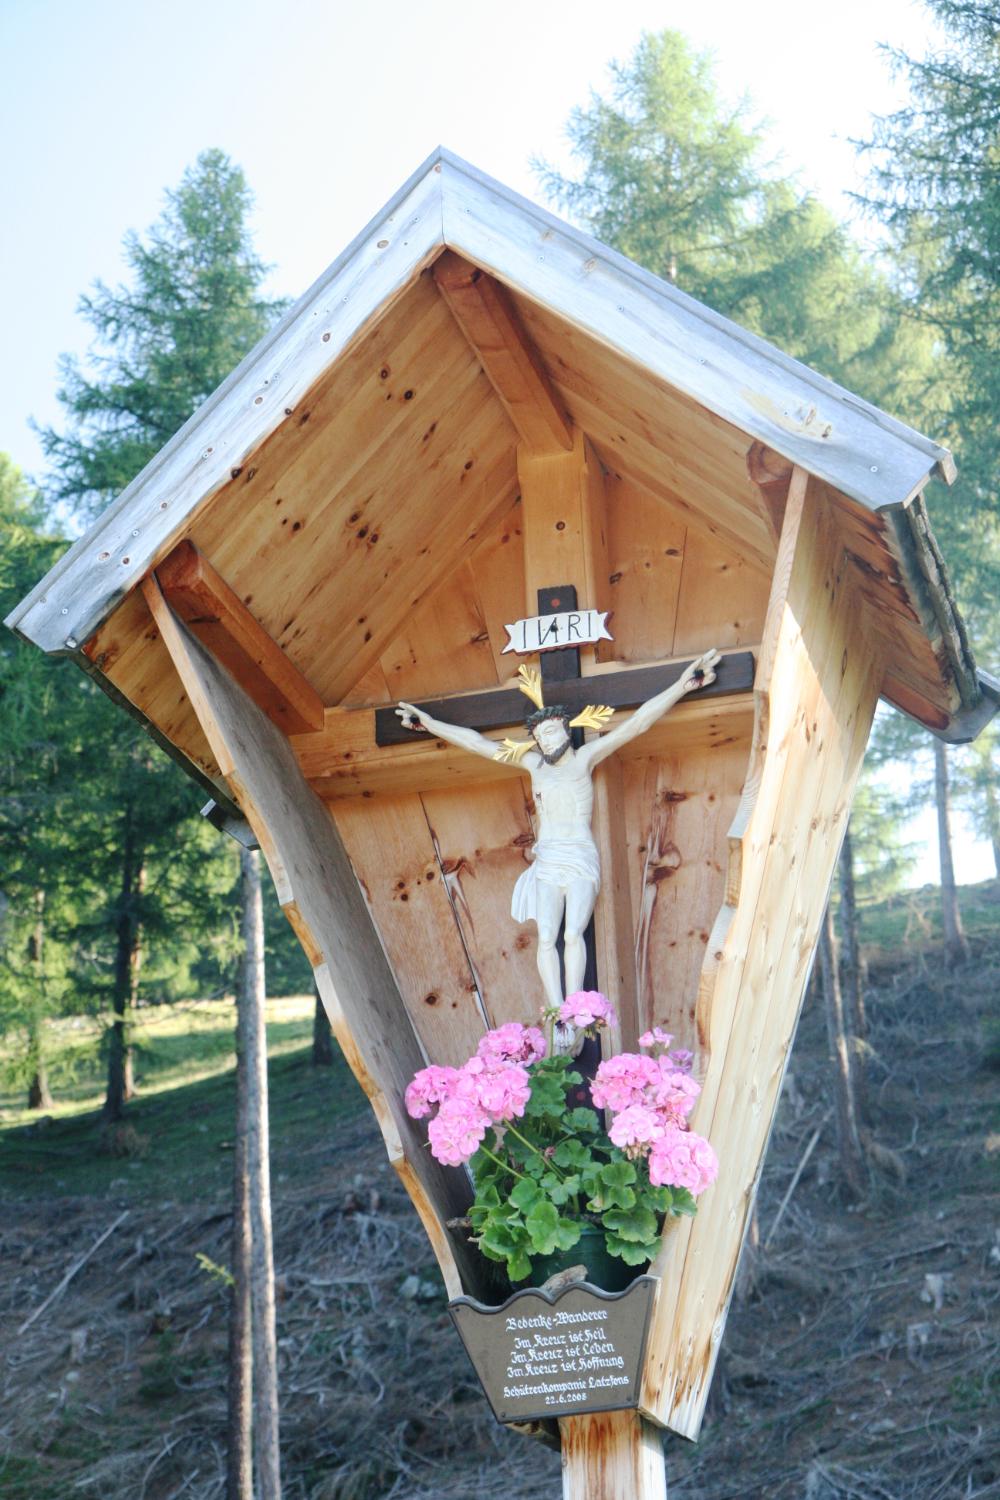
529,680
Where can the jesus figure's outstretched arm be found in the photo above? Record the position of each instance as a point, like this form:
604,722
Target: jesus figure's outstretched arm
465,739
697,675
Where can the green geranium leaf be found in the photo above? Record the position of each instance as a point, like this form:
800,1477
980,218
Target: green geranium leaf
542,1224
525,1194
572,1153
637,1225
518,1266
659,1199
562,1192
615,1190
505,1239
683,1201
568,1232
582,1120
632,1255
489,1254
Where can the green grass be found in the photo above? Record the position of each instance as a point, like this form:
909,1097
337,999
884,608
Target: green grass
179,1130
912,919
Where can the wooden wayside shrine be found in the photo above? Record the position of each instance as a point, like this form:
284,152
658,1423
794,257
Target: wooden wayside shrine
476,404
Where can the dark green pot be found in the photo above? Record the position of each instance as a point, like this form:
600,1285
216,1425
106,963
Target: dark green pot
609,1272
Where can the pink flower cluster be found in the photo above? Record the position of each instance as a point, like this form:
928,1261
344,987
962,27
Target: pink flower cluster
491,1088
650,1099
586,1008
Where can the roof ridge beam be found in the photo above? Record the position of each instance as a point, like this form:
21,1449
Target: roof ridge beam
485,312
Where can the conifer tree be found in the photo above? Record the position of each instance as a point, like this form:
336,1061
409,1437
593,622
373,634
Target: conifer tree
675,178
164,342
192,309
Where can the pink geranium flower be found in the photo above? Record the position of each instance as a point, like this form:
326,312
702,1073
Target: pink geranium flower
674,1092
636,1126
430,1086
456,1131
503,1093
679,1158
624,1080
586,1008
655,1038
513,1043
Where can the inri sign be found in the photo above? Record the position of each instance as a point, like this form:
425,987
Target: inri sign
577,627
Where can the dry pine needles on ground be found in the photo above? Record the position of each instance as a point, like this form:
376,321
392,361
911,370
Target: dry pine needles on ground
860,1361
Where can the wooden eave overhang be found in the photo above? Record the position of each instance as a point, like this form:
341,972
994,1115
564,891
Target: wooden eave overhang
669,393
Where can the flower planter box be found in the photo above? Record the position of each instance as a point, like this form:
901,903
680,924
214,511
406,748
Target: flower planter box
558,1354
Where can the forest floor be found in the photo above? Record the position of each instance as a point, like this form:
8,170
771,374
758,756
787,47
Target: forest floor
861,1360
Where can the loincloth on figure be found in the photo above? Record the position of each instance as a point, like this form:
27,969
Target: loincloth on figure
560,862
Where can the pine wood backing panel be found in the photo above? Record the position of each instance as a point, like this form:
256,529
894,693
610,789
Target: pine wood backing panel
722,599
393,855
370,691
444,647
613,914
356,411
334,520
709,452
646,546
498,568
582,363
628,452
321,897
688,514
818,686
686,804
481,836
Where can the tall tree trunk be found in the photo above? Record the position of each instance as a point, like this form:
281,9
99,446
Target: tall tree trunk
239,1447
322,1047
39,1096
992,818
956,949
853,982
265,1352
121,1085
852,1161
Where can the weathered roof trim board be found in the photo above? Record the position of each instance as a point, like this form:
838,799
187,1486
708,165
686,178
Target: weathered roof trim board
836,436
868,455
79,593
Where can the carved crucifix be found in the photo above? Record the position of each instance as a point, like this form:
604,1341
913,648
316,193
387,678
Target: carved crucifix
560,887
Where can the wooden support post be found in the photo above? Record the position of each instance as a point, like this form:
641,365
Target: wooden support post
321,897
613,1455
816,690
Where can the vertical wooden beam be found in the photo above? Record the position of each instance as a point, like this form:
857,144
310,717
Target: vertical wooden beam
322,900
815,695
613,1455
564,524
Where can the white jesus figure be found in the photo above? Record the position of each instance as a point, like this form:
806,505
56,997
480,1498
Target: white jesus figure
565,875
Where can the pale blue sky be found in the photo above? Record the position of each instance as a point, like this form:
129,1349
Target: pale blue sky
330,106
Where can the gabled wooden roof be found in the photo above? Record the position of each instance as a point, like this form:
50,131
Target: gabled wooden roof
363,449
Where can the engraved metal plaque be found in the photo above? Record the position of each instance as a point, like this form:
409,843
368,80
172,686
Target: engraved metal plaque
560,1354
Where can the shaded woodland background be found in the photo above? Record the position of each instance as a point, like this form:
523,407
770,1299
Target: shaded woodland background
119,903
